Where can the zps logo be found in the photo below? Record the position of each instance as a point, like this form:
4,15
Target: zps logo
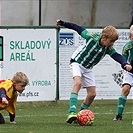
1,48
66,39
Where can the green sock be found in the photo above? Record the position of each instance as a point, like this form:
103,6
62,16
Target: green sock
73,102
84,106
121,104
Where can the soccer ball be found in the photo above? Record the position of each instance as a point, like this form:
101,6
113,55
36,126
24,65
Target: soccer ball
85,117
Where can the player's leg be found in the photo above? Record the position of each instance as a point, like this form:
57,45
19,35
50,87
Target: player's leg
122,101
74,94
123,98
127,81
2,121
89,83
91,93
74,100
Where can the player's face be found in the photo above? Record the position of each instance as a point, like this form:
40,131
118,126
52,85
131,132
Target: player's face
131,37
20,87
108,42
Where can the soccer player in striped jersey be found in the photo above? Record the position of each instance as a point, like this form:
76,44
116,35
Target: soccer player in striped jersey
127,53
8,94
87,56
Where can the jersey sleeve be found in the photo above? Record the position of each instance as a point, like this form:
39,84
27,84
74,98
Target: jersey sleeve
111,51
120,59
2,93
81,30
117,57
72,26
7,84
87,35
125,53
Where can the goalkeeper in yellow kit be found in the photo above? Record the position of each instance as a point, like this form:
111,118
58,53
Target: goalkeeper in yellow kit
8,94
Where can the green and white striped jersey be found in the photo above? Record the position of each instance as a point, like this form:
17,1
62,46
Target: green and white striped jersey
127,51
90,53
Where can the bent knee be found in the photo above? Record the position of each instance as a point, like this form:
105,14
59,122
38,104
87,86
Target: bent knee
78,84
92,94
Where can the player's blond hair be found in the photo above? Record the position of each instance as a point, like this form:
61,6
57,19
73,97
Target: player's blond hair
20,77
131,30
110,32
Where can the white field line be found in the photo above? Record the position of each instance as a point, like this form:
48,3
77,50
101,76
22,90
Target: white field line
19,116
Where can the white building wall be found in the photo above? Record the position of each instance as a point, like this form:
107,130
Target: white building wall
83,12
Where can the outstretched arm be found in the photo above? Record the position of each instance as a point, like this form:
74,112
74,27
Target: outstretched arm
120,59
69,25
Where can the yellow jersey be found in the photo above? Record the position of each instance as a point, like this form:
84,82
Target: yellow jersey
11,96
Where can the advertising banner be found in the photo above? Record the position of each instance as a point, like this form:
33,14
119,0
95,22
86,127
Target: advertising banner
32,51
108,73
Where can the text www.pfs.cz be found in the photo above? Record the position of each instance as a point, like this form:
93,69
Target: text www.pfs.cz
29,94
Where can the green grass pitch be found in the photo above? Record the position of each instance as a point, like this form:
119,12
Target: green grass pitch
49,117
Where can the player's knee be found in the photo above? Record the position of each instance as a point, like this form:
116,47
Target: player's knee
126,90
92,95
77,84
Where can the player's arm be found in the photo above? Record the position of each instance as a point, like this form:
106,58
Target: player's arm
69,25
132,66
120,59
3,96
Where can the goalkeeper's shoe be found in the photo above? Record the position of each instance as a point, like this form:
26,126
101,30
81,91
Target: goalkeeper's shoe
117,118
72,117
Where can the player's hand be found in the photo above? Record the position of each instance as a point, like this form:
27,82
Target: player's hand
128,67
5,101
58,22
12,122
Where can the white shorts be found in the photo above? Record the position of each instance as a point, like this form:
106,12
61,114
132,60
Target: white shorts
85,74
128,78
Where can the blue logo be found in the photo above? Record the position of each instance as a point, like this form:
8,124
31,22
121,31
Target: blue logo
66,39
1,48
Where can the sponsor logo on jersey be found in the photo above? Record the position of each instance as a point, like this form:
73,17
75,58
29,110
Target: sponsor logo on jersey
93,35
